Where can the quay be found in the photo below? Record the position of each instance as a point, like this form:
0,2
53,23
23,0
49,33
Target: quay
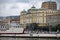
29,35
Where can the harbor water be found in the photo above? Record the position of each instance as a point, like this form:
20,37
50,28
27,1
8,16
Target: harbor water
18,38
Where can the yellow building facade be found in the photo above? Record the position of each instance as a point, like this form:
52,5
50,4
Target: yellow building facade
42,16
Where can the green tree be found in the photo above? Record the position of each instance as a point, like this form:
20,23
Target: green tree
58,27
53,28
32,26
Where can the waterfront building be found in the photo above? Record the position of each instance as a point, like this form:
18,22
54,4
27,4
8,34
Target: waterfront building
47,15
15,23
12,30
17,20
49,5
4,24
7,23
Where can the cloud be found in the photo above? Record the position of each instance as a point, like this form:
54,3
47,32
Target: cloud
12,9
8,1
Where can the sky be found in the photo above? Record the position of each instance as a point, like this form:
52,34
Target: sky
14,7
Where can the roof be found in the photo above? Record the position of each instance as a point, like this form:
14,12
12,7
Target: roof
23,11
42,9
33,8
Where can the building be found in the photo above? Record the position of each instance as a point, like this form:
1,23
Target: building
4,24
10,26
47,15
12,30
49,5
15,23
8,22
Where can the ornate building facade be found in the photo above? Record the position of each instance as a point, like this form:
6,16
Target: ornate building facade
45,16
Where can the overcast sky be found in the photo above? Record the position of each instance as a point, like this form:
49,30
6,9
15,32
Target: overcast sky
14,7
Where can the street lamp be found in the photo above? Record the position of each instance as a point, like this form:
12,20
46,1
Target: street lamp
49,27
57,34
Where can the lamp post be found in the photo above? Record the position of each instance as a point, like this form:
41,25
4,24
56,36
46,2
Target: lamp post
49,26
57,35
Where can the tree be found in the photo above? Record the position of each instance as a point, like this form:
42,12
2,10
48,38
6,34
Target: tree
58,27
32,26
53,28
46,28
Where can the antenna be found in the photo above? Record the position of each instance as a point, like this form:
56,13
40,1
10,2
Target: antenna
50,0
59,7
34,2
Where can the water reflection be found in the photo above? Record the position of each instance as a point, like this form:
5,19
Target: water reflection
11,38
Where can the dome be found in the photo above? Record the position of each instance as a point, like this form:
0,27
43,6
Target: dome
23,11
33,8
